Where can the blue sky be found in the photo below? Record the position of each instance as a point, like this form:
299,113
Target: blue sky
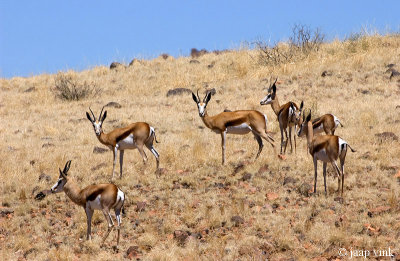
39,36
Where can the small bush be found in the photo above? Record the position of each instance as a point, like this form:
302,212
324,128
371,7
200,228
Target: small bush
302,42
69,88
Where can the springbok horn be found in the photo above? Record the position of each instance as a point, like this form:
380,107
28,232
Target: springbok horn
101,112
94,118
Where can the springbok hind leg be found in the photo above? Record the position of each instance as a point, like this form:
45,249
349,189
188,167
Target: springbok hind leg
107,215
260,143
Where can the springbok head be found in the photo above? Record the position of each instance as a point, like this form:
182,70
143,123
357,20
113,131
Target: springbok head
304,125
271,94
62,179
97,125
295,114
201,105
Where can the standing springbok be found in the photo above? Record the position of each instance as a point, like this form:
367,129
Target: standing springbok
326,148
288,115
134,136
327,123
103,197
234,122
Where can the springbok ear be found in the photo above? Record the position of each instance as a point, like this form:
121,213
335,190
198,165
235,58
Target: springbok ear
67,166
62,174
104,116
301,105
207,98
88,116
274,88
194,98
309,116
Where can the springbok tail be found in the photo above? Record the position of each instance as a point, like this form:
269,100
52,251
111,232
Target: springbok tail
352,150
154,132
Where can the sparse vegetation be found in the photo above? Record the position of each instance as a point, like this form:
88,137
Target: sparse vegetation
68,87
196,208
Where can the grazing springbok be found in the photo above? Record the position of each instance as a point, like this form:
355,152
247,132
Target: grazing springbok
134,136
289,115
326,148
327,123
103,197
234,122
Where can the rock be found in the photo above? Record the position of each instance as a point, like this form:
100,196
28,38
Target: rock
196,53
180,236
211,65
164,56
378,210
227,110
212,91
133,252
6,211
48,145
305,189
394,74
263,169
281,156
36,188
326,73
116,65
31,89
114,105
98,166
272,196
98,150
239,167
386,136
178,91
193,61
390,65
140,206
246,176
237,220
289,180
44,177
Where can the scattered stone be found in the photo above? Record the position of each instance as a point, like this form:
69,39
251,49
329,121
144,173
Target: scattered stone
164,56
339,199
48,145
6,211
32,162
390,65
116,65
140,206
98,166
326,73
363,91
180,236
305,189
212,91
386,136
114,105
394,74
281,156
43,176
378,210
196,235
98,150
193,61
197,53
31,89
227,110
178,91
289,180
272,196
246,176
133,252
36,188
211,65
263,169
239,167
237,220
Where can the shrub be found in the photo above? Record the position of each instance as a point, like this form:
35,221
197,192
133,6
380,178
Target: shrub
67,87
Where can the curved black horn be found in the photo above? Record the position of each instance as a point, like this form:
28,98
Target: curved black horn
101,112
198,97
67,166
94,118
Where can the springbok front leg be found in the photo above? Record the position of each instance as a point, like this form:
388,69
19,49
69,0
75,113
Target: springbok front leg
342,159
223,145
315,174
89,214
290,140
121,162
324,173
115,153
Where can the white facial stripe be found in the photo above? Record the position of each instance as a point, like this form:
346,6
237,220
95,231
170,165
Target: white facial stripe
202,108
266,100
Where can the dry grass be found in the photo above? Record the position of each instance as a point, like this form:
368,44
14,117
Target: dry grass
39,132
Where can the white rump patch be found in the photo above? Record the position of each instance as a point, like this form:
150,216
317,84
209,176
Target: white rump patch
341,142
241,129
336,120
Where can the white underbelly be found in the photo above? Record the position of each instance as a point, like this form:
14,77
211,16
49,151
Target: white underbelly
239,129
94,204
319,129
127,143
321,155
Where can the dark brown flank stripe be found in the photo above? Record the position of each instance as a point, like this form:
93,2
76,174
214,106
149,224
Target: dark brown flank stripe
234,122
94,194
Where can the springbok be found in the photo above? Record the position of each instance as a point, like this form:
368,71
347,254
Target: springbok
234,122
134,136
289,115
327,123
326,148
103,197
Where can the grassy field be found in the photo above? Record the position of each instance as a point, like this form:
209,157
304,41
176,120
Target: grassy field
197,209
